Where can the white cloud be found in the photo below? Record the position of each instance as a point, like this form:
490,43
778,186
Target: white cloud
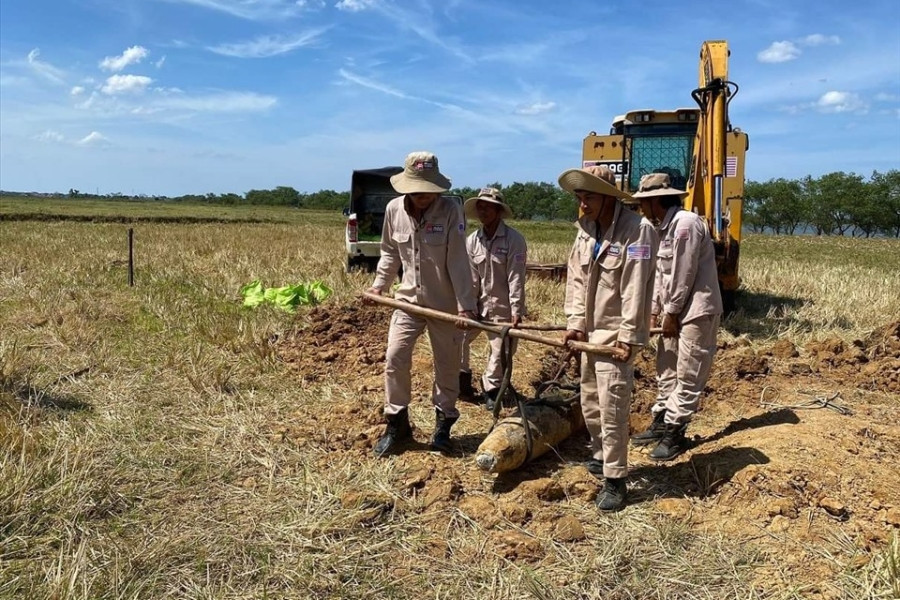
94,138
536,108
44,69
778,52
76,91
354,5
884,97
265,46
131,56
840,102
50,136
125,84
817,39
158,64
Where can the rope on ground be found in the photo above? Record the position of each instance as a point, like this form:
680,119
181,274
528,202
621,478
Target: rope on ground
819,400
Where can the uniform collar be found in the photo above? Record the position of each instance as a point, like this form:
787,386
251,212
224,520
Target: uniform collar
407,206
590,227
501,231
667,220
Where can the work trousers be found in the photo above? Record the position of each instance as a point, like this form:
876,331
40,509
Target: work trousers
606,387
493,372
682,368
445,341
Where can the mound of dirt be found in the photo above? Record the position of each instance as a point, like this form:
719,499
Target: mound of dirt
794,444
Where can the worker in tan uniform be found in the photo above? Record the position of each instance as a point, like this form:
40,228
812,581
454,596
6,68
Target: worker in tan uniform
497,255
425,234
687,303
608,294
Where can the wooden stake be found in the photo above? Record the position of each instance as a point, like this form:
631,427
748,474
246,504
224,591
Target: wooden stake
131,256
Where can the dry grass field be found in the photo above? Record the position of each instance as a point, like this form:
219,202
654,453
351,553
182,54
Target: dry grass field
160,441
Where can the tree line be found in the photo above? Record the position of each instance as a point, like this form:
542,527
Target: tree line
833,204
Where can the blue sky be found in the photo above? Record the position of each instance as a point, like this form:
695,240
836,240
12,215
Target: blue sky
194,96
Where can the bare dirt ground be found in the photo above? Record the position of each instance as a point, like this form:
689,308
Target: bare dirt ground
795,449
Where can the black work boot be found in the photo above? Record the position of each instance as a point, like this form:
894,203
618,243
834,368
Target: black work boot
595,467
466,391
672,443
396,432
490,397
440,440
653,433
613,496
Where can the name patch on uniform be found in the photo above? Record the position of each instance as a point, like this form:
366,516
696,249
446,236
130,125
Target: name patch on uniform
614,250
665,243
434,228
519,258
682,234
501,251
638,252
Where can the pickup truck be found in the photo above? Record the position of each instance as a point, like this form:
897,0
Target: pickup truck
370,191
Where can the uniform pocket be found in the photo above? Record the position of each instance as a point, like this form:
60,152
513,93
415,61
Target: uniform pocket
610,269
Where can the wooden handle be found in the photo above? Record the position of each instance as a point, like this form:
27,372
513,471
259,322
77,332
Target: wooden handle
498,329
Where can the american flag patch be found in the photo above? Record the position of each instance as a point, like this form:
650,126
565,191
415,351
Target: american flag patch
519,258
638,252
682,234
421,165
731,166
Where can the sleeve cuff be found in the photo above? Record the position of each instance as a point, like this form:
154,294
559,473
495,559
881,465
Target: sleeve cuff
672,309
575,324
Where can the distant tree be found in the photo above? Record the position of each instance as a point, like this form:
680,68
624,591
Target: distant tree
884,192
831,198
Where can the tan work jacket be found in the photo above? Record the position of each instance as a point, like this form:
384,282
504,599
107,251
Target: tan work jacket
687,284
610,285
432,252
498,272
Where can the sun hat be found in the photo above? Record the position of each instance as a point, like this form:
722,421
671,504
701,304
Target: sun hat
596,178
420,175
657,184
487,194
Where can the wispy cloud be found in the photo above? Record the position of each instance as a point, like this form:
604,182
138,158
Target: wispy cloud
50,136
885,97
158,64
44,69
94,138
76,91
818,39
778,52
130,56
125,84
270,45
254,10
536,108
224,102
354,5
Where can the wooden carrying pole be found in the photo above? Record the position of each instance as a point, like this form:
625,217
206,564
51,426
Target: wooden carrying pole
515,333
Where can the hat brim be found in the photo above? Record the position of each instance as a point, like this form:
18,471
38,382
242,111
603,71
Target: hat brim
579,179
470,207
659,192
404,184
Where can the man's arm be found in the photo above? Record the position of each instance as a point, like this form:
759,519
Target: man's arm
638,275
390,261
515,272
685,254
458,265
575,291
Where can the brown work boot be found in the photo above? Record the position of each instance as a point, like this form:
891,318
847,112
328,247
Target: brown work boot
397,431
672,444
613,496
440,440
653,433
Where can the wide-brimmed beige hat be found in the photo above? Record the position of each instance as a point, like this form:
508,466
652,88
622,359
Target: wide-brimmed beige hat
487,194
657,184
596,178
420,175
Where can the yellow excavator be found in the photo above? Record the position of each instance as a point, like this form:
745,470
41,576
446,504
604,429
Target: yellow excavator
698,148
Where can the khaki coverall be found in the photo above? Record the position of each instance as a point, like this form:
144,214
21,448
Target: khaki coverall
436,275
608,294
686,285
498,274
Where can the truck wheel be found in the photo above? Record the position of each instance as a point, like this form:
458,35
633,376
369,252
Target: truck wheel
353,264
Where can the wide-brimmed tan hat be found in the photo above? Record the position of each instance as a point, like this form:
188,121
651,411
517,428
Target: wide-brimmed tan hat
420,175
596,178
657,184
487,194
